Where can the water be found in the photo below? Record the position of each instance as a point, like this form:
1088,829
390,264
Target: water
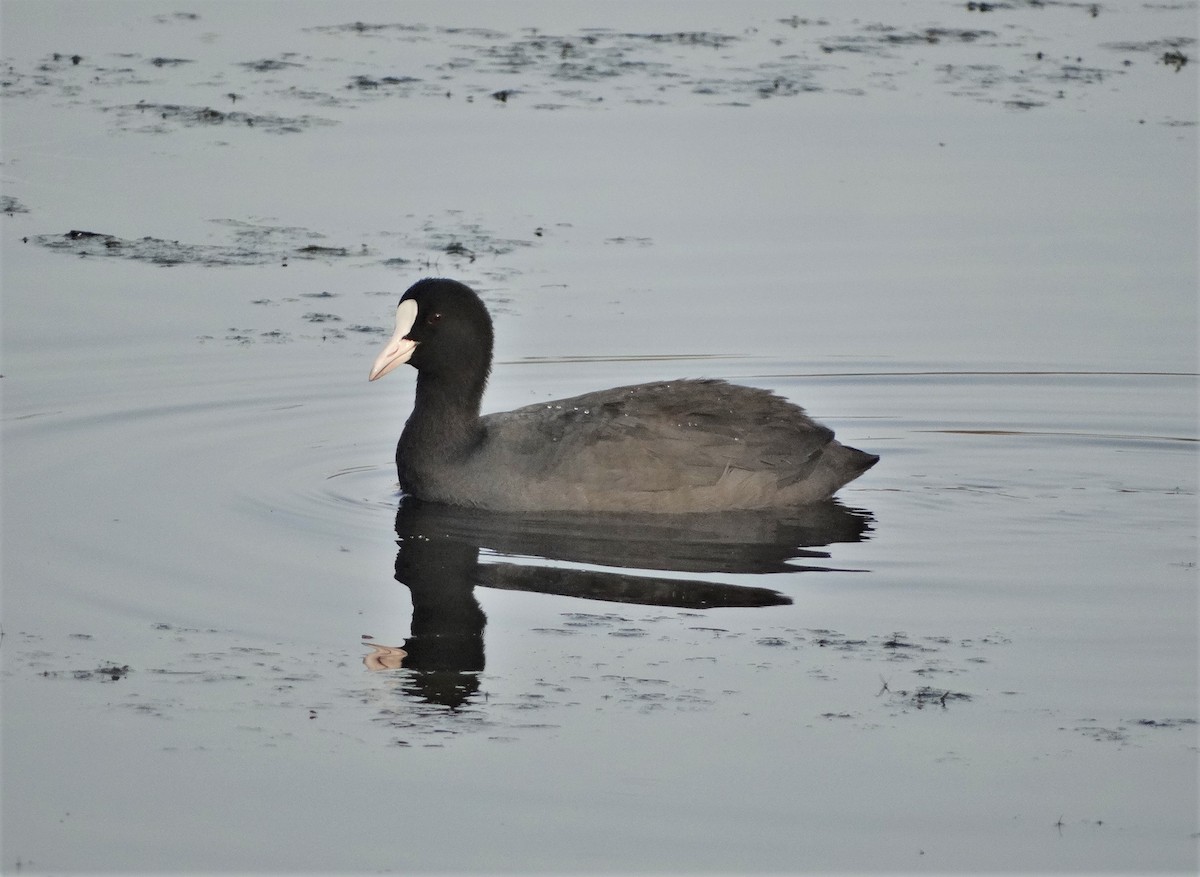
983,658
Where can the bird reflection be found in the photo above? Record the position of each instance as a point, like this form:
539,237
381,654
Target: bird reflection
439,562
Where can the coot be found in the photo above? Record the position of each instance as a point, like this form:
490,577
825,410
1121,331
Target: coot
668,446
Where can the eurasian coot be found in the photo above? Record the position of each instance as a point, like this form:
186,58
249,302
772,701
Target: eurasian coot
668,446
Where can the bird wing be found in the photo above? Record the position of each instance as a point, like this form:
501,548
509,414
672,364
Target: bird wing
667,435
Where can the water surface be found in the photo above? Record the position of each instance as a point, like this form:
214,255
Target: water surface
965,240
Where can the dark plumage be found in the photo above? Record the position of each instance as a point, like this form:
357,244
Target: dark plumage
669,446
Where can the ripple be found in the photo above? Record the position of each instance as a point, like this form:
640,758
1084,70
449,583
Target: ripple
295,457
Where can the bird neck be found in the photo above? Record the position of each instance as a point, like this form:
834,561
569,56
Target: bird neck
445,416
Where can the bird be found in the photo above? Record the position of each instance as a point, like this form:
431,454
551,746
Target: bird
680,446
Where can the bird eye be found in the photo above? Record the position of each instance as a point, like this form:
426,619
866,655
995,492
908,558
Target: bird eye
433,318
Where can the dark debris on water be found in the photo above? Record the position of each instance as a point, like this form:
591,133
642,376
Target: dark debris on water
192,116
158,251
262,244
104,673
578,68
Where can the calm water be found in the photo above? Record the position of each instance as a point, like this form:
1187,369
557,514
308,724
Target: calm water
966,241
